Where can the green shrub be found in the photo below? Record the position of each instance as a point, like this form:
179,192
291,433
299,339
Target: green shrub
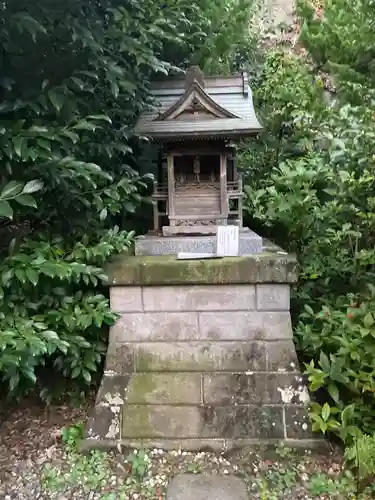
312,188
75,76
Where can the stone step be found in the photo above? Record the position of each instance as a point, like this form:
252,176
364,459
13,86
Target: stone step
206,487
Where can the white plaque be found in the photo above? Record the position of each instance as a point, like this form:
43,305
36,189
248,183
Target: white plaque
195,256
227,241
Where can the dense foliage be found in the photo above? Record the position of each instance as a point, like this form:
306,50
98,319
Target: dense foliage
74,77
311,182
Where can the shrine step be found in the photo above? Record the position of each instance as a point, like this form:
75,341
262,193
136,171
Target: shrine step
250,243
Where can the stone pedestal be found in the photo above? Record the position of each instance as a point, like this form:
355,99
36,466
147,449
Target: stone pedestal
249,244
202,356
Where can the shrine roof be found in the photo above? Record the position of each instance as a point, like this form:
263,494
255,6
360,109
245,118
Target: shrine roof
200,107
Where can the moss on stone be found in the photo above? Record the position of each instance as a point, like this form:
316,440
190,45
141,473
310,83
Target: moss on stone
141,386
165,388
267,267
136,421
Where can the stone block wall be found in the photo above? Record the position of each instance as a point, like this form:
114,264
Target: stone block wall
201,365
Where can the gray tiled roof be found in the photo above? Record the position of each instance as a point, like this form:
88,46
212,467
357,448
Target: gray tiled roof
231,93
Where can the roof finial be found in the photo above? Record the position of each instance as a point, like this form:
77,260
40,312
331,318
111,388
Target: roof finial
194,74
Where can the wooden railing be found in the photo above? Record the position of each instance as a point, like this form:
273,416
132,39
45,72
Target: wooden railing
160,191
234,188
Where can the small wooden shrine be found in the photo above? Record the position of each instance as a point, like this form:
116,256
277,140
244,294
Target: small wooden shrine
195,120
202,354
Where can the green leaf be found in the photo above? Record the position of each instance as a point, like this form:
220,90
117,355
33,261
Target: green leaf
85,125
6,210
368,320
32,275
103,214
57,99
326,411
76,372
33,186
115,89
309,310
86,376
21,275
7,276
50,335
347,414
11,189
324,362
334,392
26,200
102,118
28,23
18,143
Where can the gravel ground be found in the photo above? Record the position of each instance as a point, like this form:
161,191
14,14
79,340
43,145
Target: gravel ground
34,464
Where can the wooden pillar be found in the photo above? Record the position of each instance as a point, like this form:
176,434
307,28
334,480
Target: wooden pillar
223,188
240,202
235,171
171,190
156,209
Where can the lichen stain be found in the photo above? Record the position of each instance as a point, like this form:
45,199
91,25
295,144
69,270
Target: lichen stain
113,400
288,394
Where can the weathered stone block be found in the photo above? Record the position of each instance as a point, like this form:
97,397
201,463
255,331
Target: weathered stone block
273,297
204,487
195,356
297,423
265,422
243,325
281,356
169,271
286,388
232,388
112,386
164,326
253,388
123,270
199,298
266,267
104,423
249,243
165,388
119,359
148,421
126,299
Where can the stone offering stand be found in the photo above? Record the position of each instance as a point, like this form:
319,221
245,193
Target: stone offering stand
202,355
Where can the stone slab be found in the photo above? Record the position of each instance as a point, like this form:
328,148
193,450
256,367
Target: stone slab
266,267
275,297
249,243
282,356
163,326
163,421
202,421
199,298
202,325
206,487
253,388
245,325
126,299
164,388
199,356
194,230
